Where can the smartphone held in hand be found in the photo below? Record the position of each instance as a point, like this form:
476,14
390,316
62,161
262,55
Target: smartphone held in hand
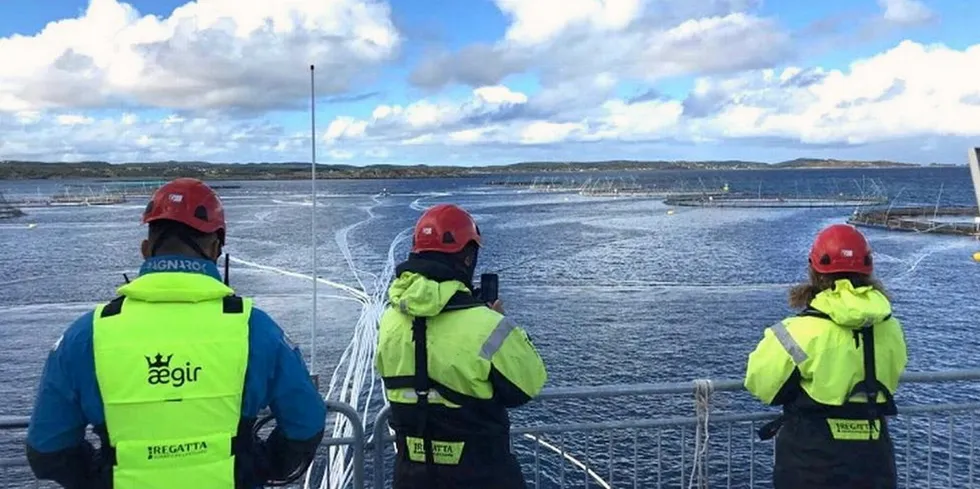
488,287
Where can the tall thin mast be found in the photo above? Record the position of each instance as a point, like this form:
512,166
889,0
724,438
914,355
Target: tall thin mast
313,325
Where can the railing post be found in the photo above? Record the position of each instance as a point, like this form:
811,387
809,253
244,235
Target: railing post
358,435
380,433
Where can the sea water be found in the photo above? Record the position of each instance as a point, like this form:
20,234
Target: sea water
611,290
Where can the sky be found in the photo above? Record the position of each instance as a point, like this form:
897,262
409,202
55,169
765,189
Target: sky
478,82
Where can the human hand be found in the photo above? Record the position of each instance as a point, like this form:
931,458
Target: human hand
498,305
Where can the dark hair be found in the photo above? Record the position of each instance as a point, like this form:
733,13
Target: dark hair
170,231
801,295
471,249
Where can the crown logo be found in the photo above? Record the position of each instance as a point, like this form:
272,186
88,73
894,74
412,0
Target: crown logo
158,361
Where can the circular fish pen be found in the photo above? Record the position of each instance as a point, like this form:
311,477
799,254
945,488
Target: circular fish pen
774,202
962,221
8,210
616,187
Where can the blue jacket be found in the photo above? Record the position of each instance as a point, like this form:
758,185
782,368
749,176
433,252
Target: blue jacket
68,397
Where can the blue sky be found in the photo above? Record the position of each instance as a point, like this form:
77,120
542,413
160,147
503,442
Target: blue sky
489,81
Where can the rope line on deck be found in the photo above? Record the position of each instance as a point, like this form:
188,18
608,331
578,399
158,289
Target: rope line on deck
703,389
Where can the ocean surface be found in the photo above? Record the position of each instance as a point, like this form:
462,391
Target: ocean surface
611,290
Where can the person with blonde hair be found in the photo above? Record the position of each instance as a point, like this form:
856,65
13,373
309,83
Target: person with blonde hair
824,364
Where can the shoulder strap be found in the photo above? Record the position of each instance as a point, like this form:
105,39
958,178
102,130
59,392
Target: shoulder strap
462,300
814,313
113,308
231,304
422,385
870,386
817,313
421,381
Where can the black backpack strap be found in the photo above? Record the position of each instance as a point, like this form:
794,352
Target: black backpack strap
462,300
870,386
231,304
114,307
814,313
422,385
421,382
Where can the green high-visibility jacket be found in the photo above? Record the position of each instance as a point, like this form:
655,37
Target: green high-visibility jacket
823,351
172,383
479,362
813,364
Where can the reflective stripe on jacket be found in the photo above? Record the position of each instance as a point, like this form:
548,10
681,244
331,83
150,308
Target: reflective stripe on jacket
479,364
815,366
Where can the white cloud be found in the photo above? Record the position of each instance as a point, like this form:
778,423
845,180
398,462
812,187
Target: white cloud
415,121
540,21
207,54
467,135
212,57
507,117
652,119
905,12
629,39
67,137
911,90
348,127
498,95
544,132
28,116
72,119
708,45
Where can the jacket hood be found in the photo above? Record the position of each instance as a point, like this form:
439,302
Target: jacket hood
424,285
852,307
419,296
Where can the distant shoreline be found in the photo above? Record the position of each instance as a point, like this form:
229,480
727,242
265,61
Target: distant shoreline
32,170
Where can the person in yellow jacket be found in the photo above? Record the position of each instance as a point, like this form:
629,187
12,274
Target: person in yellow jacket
173,373
452,364
824,365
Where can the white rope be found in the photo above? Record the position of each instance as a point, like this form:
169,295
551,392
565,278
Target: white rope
354,380
702,405
355,369
360,295
570,458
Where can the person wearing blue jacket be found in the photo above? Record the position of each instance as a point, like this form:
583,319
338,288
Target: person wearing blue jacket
173,373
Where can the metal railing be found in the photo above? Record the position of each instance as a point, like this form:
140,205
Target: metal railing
14,471
630,444
655,451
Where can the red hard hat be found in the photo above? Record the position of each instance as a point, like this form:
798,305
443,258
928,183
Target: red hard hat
445,228
841,248
188,201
